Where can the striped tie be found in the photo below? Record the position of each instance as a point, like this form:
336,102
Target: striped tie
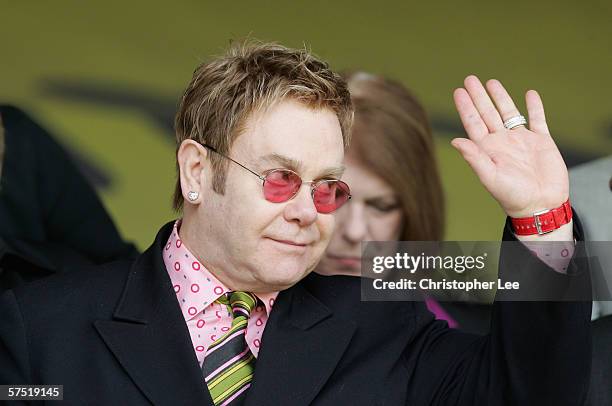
229,364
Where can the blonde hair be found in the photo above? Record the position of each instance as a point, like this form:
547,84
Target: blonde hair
392,137
251,77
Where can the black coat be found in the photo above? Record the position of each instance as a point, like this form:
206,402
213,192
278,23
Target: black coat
116,335
51,219
601,375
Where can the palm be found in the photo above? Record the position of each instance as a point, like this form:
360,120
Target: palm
522,169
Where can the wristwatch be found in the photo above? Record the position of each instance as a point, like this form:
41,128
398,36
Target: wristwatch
544,221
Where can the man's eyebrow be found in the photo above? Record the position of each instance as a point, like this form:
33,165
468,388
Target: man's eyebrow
332,172
283,161
297,166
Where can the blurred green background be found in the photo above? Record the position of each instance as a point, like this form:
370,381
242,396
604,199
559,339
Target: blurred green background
105,78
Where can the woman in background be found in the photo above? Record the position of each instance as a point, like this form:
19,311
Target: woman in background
395,183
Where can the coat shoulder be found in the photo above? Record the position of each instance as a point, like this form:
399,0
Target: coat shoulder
95,290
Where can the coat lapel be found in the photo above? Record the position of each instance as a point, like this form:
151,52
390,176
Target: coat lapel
149,337
302,344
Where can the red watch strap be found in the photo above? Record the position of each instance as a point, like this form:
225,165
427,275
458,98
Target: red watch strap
543,221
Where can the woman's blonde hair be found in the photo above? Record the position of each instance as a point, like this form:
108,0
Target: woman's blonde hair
392,137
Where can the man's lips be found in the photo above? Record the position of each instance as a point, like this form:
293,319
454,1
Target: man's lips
289,242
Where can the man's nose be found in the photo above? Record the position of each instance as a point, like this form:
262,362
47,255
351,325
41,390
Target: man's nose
301,208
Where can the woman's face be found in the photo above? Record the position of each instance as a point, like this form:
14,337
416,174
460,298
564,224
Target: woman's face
373,214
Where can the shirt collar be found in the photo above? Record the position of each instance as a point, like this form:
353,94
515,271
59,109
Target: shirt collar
195,286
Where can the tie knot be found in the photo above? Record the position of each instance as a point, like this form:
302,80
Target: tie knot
242,303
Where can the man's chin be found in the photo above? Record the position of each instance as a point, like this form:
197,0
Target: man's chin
285,281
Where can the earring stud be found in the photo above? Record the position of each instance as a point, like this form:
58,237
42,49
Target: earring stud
193,196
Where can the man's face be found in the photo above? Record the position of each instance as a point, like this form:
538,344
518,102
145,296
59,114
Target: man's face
250,243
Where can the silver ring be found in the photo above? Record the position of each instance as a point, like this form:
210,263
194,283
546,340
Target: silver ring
514,122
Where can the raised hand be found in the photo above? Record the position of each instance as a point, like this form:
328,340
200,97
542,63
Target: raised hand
521,168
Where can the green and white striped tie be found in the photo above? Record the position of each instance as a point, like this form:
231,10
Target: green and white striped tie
229,364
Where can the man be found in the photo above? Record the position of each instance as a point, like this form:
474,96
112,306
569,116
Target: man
222,308
51,219
591,190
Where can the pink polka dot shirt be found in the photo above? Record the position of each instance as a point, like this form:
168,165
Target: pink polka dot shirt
197,289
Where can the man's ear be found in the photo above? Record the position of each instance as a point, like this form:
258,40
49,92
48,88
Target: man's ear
191,157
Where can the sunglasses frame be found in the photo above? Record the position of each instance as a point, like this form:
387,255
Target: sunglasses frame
262,177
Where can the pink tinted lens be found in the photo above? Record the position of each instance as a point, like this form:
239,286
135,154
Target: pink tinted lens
281,185
330,195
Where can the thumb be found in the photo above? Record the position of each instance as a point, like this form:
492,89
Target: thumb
478,160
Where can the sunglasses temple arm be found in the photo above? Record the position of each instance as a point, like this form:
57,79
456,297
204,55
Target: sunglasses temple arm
237,163
254,173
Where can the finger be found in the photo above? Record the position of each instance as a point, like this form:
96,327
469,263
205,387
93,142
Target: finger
535,109
478,160
505,105
483,104
470,118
